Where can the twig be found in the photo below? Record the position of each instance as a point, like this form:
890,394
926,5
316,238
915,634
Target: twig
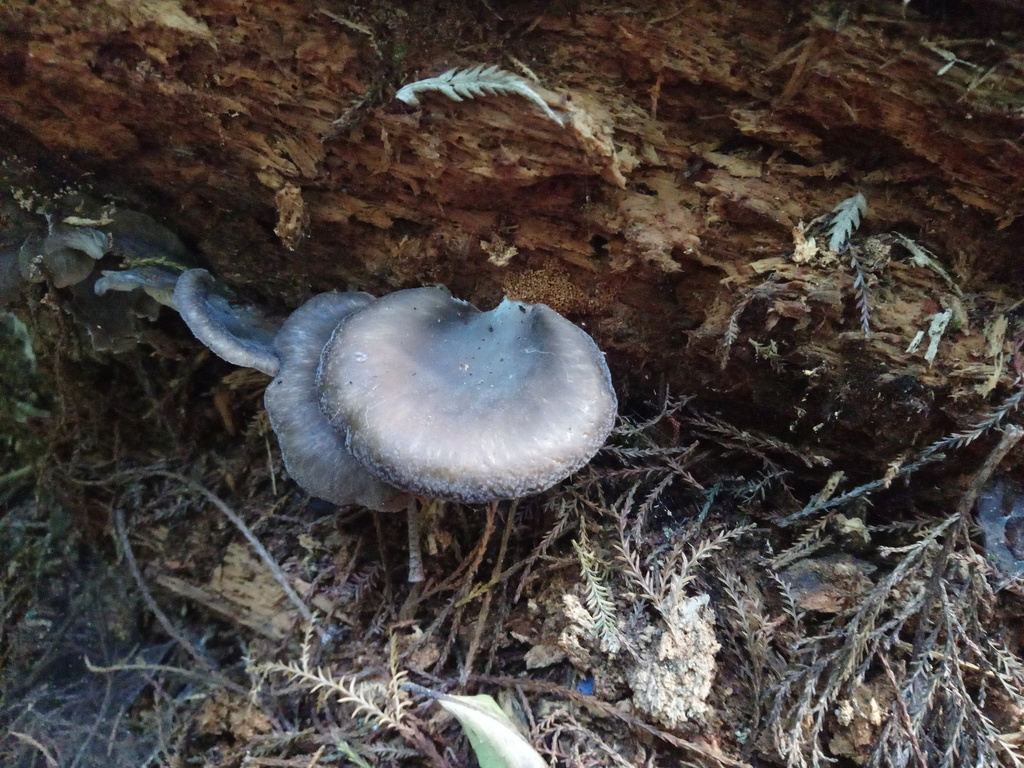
457,603
26,739
265,556
145,668
1012,435
901,709
929,455
101,714
485,607
161,617
16,474
471,562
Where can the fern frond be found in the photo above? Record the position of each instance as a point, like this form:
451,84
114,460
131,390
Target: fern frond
363,696
597,595
934,452
860,288
766,289
847,218
481,80
749,440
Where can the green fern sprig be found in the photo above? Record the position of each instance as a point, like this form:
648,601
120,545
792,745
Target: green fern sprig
597,596
362,696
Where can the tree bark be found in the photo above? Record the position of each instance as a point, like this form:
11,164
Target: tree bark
661,214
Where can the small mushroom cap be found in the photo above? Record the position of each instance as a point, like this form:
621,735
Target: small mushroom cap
314,452
240,335
138,238
91,242
69,253
158,282
111,320
441,399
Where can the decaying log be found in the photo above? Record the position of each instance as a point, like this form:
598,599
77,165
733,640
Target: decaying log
663,212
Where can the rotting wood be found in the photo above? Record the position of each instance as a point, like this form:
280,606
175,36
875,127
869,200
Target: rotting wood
696,139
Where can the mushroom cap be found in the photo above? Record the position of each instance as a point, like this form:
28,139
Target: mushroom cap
30,259
441,399
158,282
240,335
314,452
70,252
141,239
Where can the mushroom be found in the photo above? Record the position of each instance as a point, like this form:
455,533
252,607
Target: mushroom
156,281
111,320
141,239
314,452
69,253
1000,511
440,399
66,254
152,257
240,335
417,395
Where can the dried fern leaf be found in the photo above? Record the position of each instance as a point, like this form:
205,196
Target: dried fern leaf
481,80
847,218
934,452
860,287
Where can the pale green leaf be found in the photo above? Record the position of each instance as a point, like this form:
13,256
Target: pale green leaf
492,735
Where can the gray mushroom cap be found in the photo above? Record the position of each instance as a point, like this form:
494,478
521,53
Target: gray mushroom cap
111,320
240,335
66,254
138,238
441,399
69,253
314,452
158,282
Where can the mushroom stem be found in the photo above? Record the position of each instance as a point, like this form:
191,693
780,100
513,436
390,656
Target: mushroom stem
415,553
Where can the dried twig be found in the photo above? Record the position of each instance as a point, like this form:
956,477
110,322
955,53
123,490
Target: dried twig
929,455
485,607
901,709
27,739
265,556
172,631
